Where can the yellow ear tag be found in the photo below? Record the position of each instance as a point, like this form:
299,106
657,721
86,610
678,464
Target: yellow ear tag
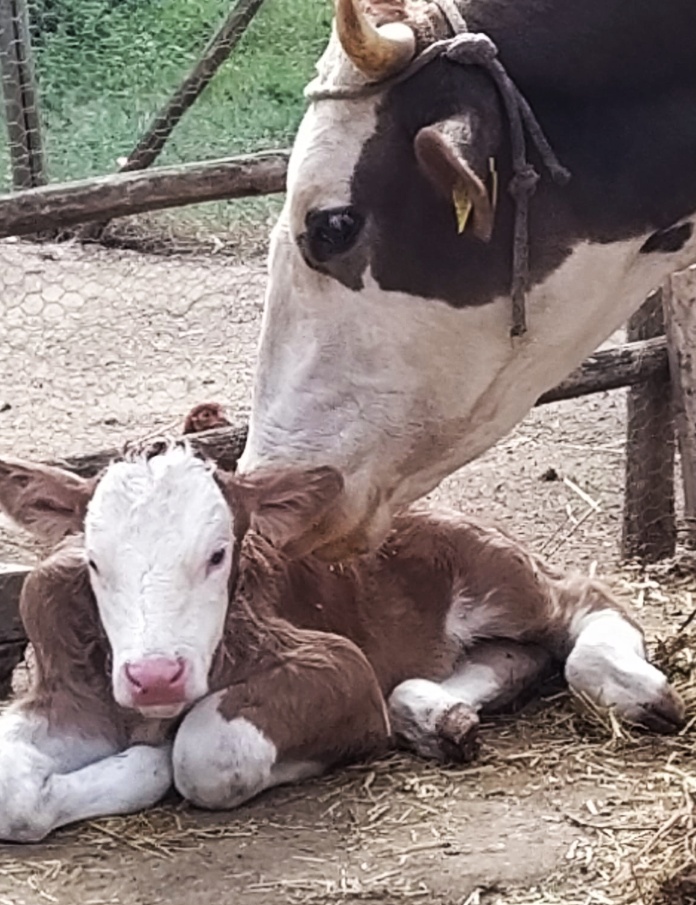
494,182
462,207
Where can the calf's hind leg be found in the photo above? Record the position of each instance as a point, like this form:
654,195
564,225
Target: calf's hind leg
439,720
607,664
318,707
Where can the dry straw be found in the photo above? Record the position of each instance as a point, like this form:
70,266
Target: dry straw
634,837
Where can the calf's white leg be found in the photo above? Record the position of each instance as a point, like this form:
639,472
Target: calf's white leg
221,763
50,779
439,720
608,665
321,705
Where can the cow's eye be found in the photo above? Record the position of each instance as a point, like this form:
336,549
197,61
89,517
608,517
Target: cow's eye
331,232
93,566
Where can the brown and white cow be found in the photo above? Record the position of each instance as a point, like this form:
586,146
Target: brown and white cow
175,645
386,349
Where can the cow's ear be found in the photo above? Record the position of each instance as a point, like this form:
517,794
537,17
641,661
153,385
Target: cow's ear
456,155
285,506
47,501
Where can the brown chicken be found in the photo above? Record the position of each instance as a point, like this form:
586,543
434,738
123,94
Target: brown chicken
205,417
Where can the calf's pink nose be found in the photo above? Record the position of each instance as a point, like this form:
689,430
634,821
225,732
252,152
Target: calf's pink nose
157,680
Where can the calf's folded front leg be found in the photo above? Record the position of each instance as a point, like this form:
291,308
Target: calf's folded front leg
49,779
315,707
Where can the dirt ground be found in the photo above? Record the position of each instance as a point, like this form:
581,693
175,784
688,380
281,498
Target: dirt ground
100,347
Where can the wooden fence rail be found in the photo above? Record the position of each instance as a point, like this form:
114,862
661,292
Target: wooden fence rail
610,369
67,204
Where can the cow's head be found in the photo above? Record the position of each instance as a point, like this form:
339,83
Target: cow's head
359,365
386,348
162,535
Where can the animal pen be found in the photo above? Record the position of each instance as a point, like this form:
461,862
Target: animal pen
126,297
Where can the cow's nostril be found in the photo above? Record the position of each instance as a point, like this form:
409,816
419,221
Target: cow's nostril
131,677
179,672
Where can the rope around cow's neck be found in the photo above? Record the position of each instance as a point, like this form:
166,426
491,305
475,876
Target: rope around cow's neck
477,49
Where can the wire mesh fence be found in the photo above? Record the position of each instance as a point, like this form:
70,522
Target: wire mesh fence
111,340
124,84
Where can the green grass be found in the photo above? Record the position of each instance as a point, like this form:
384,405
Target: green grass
106,66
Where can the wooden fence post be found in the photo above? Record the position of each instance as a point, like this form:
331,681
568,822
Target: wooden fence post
649,526
12,638
680,315
19,90
216,52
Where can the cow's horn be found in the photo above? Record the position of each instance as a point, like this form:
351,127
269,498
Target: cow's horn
376,52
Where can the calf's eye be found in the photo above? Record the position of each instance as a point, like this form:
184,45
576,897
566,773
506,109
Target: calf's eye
330,232
216,558
93,566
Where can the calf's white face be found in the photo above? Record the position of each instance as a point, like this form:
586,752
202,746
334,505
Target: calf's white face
158,538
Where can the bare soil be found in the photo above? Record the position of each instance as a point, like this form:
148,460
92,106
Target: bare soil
100,347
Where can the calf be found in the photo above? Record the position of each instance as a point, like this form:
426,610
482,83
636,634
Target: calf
176,643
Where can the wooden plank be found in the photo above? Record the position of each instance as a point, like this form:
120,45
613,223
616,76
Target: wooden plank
649,531
224,445
20,156
12,636
122,194
10,657
611,369
21,100
680,314
30,96
11,580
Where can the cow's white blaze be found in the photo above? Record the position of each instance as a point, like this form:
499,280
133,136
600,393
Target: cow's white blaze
398,391
153,534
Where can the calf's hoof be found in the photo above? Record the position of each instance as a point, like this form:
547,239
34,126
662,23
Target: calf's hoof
633,688
665,713
457,735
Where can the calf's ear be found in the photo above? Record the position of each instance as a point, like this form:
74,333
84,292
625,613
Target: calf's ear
456,155
285,506
47,501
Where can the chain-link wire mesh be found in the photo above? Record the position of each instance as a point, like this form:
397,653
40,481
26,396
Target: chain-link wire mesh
114,340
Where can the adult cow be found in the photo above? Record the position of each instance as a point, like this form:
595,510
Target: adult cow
386,349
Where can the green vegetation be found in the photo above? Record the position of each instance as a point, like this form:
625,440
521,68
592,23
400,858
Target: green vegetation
106,66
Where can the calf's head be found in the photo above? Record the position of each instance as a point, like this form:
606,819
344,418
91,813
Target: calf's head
161,543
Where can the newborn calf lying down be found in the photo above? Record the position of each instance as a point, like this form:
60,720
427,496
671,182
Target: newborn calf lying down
176,644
